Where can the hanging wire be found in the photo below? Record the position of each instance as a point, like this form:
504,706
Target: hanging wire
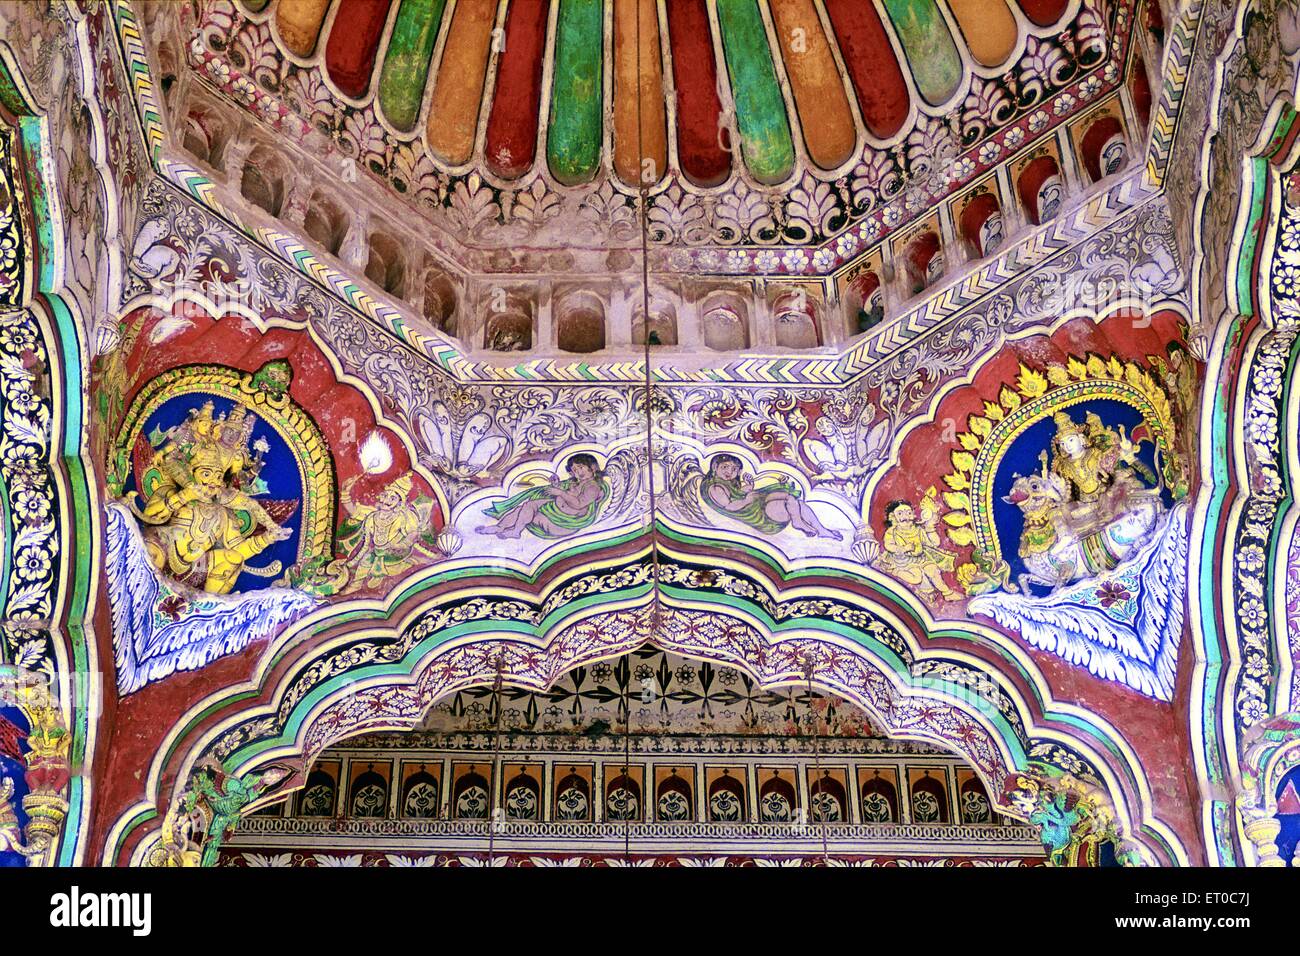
627,758
646,332
655,621
808,665
495,783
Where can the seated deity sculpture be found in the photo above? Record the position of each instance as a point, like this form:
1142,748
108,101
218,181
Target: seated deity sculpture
202,525
1089,509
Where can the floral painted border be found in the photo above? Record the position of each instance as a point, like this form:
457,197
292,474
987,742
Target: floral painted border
273,857
32,570
1253,549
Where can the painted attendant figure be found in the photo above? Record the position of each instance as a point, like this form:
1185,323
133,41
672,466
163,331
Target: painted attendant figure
727,489
389,537
556,510
912,549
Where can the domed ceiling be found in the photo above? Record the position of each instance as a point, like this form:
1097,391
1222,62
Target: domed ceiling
783,137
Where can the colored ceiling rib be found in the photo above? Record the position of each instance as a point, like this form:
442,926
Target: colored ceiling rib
868,46
929,47
354,43
299,23
828,129
406,64
575,128
458,91
703,148
640,126
761,120
511,146
989,28
1043,13
872,66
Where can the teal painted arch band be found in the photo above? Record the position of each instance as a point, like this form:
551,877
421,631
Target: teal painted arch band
879,655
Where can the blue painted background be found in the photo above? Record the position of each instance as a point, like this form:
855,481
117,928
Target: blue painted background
14,770
280,473
1022,459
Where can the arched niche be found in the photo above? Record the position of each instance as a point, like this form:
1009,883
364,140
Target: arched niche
580,322
777,802
573,797
662,325
523,797
975,805
385,266
981,225
440,300
509,323
725,323
470,796
923,261
623,798
325,221
205,135
674,799
797,323
1041,189
263,180
319,796
828,800
727,802
169,69
1105,150
368,796
929,800
864,302
421,795
879,800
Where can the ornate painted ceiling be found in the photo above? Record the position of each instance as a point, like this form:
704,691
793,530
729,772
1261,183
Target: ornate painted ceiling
802,168
365,360
783,124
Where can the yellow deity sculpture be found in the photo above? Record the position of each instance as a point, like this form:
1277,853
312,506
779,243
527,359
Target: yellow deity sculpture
1099,465
203,526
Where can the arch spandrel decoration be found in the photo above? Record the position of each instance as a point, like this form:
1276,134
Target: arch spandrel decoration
900,627
247,496
1049,495
932,699
165,440
1064,391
